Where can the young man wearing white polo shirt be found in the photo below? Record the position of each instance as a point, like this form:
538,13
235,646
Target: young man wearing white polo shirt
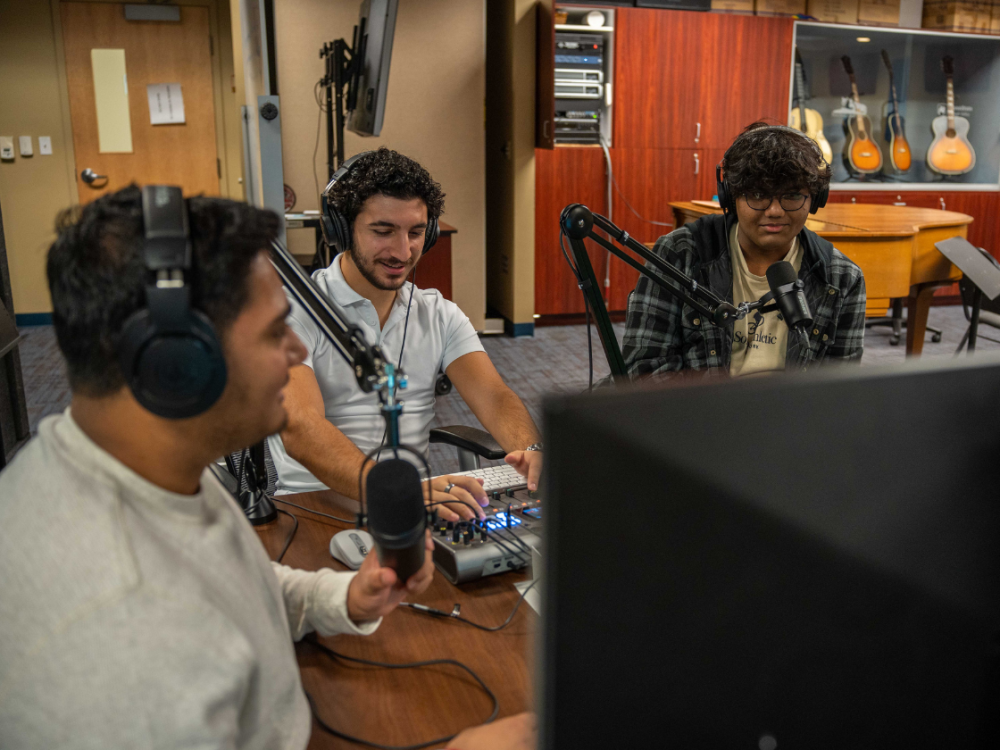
388,202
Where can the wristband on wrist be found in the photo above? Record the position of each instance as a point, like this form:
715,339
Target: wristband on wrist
535,447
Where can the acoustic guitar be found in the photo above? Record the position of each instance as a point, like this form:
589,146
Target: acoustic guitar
895,128
950,152
809,121
861,154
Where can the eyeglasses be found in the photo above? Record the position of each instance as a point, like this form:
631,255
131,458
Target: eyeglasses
789,201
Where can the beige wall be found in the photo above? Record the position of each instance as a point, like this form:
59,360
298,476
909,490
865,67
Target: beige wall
434,114
33,101
32,190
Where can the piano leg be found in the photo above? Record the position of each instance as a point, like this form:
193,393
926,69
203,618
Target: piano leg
918,305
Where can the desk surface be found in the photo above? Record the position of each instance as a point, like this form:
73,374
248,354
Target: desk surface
400,707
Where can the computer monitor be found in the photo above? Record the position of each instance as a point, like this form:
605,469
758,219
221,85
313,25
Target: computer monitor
786,562
373,45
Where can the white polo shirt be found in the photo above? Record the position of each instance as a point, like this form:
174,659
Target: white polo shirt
438,333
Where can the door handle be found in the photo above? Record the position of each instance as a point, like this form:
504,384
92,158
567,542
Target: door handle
697,164
942,204
545,129
697,132
90,177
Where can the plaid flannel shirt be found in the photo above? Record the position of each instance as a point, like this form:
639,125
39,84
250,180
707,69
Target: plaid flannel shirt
663,335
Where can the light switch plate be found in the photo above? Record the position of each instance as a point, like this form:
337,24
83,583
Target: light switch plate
7,147
45,145
24,143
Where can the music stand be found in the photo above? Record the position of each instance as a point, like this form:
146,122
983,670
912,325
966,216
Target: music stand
980,268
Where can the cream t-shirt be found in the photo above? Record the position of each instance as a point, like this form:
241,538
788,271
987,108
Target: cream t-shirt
760,339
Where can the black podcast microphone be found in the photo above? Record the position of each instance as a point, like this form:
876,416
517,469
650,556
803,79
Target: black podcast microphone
397,518
789,295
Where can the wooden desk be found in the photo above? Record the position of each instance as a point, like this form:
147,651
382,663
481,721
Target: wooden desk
893,245
400,707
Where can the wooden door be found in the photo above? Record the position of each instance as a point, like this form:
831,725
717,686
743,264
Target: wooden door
742,69
155,52
564,175
648,180
658,84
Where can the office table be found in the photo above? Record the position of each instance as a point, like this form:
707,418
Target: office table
893,245
400,707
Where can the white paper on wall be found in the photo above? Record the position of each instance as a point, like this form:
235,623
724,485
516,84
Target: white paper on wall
166,103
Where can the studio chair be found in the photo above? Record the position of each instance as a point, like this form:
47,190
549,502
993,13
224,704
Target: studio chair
897,323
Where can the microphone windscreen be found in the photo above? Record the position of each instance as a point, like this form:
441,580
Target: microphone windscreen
394,496
780,274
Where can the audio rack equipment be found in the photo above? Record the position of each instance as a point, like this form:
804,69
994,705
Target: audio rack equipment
466,551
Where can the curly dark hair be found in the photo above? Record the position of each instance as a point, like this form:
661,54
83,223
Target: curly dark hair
385,172
774,160
97,277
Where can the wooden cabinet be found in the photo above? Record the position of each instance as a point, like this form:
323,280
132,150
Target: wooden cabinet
564,175
695,80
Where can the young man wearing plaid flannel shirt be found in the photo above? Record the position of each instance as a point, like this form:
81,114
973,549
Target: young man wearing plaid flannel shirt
774,175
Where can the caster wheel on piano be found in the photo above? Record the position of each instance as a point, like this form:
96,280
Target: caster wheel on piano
894,341
936,338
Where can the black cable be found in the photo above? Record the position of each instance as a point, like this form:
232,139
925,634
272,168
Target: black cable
488,628
277,499
402,348
291,534
386,665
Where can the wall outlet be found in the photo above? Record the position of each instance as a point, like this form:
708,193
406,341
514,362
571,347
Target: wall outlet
24,143
45,145
7,147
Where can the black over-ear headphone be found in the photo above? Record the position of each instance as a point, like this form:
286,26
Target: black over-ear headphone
728,201
169,353
337,229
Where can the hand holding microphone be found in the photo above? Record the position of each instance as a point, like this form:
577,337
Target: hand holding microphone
377,590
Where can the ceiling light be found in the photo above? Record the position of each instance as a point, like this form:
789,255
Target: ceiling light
864,39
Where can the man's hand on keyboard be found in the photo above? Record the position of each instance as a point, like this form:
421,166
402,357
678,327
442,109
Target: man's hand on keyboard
528,464
466,498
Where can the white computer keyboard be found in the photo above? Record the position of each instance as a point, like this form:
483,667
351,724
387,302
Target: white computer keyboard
496,478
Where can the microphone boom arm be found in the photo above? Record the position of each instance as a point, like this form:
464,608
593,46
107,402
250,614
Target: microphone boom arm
578,222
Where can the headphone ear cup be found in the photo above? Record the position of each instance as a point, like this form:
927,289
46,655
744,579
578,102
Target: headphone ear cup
722,190
431,235
342,232
173,374
819,200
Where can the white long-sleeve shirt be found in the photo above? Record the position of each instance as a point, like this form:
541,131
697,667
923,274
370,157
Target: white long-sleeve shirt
135,617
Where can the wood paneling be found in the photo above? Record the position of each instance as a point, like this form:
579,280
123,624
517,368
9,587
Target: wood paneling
676,69
657,82
751,78
182,154
648,180
564,176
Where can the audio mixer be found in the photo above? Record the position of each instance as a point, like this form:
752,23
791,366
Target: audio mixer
469,550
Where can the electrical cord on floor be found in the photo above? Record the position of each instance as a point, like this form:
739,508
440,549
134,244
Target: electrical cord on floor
278,499
291,534
454,614
311,639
